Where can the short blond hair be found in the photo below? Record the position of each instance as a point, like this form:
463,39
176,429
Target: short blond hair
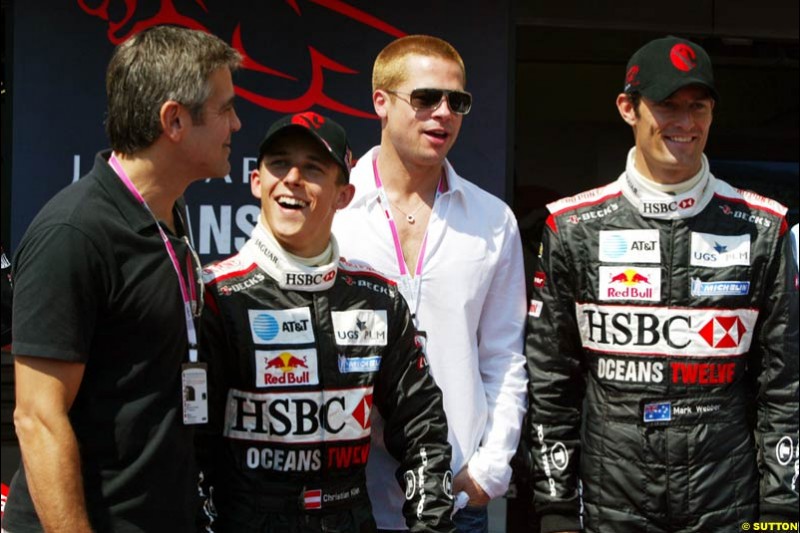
389,70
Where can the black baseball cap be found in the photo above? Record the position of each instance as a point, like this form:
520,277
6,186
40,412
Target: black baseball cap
328,133
665,65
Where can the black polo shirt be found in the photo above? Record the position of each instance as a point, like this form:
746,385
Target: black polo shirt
93,283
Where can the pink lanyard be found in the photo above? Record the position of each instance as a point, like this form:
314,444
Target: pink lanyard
410,287
191,334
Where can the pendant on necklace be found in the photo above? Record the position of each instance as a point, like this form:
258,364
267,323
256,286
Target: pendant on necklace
410,219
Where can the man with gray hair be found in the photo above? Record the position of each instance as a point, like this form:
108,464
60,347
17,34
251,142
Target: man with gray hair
105,294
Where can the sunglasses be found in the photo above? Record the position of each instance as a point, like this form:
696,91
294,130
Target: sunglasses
460,102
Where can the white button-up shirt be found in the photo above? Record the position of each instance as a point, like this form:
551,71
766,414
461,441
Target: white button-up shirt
472,307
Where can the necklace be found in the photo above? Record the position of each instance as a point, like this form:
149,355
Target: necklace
409,216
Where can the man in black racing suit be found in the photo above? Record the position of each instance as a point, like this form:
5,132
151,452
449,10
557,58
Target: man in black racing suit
300,347
662,344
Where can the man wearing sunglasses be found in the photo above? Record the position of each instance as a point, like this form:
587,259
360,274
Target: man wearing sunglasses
663,329
455,253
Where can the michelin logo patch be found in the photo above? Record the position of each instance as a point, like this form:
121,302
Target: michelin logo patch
630,246
364,327
719,288
719,251
348,365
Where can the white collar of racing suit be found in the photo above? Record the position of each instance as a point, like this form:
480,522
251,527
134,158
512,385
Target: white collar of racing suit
290,274
654,203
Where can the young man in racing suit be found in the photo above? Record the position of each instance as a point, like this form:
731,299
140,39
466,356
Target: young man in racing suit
662,344
300,346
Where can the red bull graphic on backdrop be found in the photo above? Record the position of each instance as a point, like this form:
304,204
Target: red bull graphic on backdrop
284,368
630,283
133,18
299,55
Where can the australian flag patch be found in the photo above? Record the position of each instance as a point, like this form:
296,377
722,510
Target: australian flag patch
657,412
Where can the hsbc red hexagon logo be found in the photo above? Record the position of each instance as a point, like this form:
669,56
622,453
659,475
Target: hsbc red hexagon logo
686,203
362,411
723,332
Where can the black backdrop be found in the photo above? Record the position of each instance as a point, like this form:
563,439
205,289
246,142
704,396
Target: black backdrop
301,54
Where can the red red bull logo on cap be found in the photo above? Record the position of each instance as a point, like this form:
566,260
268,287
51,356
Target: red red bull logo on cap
282,368
630,283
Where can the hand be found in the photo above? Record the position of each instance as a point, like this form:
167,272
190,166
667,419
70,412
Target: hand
463,481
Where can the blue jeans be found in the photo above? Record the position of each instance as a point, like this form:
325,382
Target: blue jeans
472,520
467,520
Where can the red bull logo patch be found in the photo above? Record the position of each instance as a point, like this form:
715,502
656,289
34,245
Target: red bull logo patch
630,283
283,368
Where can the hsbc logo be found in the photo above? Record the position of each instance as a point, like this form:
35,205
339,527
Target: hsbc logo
302,279
723,331
658,208
640,330
299,418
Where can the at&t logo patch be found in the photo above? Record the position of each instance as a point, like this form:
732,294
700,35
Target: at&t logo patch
288,326
630,246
